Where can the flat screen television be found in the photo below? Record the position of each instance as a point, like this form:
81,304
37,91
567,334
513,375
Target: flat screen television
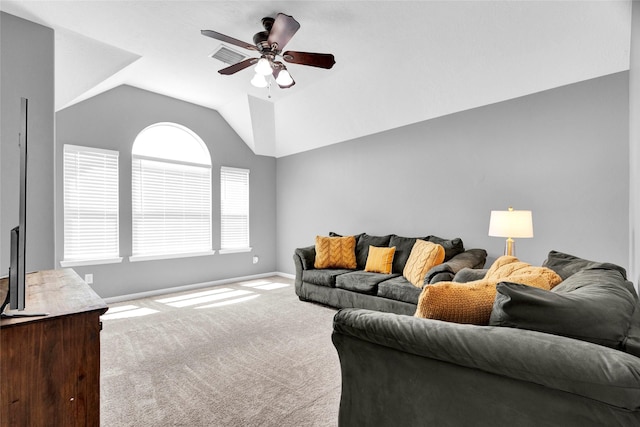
15,293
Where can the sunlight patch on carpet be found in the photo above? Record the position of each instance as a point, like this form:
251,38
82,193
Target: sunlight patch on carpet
265,285
192,295
229,302
208,298
254,283
122,308
271,286
127,311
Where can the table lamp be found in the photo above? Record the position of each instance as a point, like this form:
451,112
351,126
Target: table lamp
511,224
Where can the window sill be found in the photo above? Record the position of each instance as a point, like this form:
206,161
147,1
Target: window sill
138,258
234,251
80,263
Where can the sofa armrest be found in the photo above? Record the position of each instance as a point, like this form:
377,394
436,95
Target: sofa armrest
470,274
303,259
445,272
561,363
307,256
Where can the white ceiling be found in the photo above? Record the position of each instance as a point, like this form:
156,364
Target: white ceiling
397,62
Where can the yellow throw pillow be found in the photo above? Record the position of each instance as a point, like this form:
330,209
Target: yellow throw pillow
423,257
457,302
380,260
335,252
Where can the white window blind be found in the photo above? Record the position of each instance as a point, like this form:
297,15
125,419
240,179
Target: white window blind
171,198
90,205
234,203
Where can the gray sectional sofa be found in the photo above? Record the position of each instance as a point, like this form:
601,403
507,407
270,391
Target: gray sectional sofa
341,288
565,357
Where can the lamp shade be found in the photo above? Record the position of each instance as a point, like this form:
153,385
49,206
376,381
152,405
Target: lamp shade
511,224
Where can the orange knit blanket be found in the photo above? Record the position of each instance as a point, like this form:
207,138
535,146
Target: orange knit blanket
472,302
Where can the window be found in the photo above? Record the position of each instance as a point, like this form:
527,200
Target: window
171,193
90,206
234,204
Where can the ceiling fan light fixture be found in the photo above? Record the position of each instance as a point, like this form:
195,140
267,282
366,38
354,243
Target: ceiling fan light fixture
259,80
284,78
263,67
270,45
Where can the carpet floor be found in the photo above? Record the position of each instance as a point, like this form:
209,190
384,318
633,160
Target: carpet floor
245,354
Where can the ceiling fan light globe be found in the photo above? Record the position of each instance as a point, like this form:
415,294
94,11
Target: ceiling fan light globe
263,67
284,78
258,80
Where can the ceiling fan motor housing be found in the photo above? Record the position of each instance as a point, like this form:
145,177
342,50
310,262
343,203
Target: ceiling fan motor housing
267,23
261,41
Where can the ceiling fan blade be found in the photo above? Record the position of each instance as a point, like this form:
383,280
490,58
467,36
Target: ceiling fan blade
283,29
320,60
238,67
227,39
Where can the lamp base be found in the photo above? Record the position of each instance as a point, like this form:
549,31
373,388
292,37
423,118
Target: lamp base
510,247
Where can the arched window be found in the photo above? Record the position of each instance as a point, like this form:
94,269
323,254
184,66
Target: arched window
171,193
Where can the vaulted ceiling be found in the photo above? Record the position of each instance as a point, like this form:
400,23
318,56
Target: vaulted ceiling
397,62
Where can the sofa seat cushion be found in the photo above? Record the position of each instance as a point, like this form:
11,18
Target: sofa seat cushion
399,289
592,305
324,277
362,281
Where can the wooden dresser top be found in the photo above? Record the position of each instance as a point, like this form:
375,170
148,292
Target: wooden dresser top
56,292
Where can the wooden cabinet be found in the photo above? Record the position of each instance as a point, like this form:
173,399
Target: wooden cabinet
50,366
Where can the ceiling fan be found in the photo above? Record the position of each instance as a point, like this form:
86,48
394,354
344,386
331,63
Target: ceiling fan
269,44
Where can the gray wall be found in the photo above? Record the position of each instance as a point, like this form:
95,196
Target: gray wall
562,153
26,70
112,121
634,147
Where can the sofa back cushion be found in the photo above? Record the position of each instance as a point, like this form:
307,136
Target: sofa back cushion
566,265
451,247
594,305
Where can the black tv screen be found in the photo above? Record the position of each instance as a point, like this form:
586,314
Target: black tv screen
17,274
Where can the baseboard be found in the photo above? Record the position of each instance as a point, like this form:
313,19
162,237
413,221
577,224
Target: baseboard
164,291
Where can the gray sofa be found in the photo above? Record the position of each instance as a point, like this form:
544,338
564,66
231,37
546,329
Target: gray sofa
342,288
566,357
